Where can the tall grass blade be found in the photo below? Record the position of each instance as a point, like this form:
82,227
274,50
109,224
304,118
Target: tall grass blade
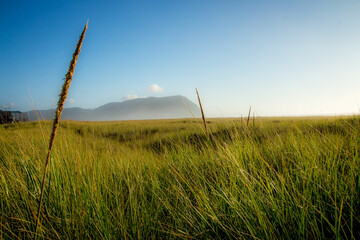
60,107
202,113
248,119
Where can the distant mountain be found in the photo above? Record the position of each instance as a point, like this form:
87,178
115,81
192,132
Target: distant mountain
140,108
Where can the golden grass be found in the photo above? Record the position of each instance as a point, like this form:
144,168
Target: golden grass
60,107
287,178
248,118
202,113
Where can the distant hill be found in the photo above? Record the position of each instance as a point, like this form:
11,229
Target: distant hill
140,108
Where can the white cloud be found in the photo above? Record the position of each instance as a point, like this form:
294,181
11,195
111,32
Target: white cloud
154,88
130,96
10,105
70,100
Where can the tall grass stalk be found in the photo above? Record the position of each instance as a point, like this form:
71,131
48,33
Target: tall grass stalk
60,107
202,113
248,118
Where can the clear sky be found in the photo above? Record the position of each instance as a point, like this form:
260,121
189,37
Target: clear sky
281,57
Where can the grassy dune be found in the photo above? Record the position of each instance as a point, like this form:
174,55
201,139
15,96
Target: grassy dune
295,178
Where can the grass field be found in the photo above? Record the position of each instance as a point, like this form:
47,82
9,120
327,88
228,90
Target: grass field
277,178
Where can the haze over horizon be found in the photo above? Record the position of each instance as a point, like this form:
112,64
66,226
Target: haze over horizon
283,58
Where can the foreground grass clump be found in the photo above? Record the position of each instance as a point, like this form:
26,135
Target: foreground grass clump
275,179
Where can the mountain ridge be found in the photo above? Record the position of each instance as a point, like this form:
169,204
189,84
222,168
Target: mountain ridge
135,109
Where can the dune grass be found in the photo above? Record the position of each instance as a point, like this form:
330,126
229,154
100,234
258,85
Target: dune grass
60,106
282,179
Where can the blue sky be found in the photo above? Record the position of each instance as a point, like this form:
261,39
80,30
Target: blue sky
280,57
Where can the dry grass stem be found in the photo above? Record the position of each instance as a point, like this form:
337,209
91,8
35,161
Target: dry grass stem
248,119
60,106
202,113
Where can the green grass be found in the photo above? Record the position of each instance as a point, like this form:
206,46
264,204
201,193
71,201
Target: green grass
290,178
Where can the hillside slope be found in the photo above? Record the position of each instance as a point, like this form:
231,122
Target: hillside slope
140,108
